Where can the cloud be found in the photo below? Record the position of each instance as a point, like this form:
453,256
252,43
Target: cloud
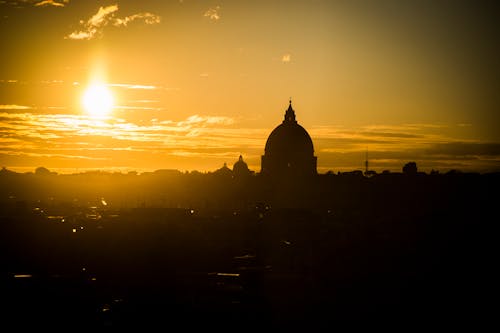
94,25
465,149
147,17
379,137
133,86
286,58
106,15
36,3
391,146
145,101
213,13
203,154
51,3
25,133
65,128
14,107
207,120
144,108
100,18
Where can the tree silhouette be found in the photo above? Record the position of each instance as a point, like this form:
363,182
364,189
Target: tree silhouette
410,168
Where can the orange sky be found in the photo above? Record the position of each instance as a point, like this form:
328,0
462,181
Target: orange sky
197,83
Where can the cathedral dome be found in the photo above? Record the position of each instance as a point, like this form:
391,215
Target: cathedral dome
289,138
289,149
240,168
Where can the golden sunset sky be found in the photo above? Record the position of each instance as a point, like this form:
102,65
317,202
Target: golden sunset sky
191,84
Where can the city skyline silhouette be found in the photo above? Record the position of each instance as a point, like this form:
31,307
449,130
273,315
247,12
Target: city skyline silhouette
133,90
154,250
155,173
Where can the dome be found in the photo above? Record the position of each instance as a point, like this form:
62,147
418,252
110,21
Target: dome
240,168
289,138
289,149
224,171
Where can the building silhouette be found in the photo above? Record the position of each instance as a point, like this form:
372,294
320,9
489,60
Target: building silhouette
240,168
224,171
289,150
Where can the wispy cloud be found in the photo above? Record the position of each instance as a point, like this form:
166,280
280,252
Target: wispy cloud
206,120
14,107
198,154
93,27
134,86
147,17
36,3
378,138
33,127
51,3
144,108
198,135
391,146
213,13
199,138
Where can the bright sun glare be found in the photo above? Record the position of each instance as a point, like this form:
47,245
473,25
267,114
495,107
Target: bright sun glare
97,100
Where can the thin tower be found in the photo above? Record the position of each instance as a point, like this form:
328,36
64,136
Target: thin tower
366,162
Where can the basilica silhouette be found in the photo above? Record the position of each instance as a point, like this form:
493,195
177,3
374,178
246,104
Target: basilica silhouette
289,150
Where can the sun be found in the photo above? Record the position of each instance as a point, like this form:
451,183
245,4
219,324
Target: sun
98,100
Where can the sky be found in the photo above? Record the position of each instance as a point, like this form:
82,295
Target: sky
191,85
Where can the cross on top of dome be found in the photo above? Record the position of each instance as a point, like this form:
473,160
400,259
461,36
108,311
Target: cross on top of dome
290,114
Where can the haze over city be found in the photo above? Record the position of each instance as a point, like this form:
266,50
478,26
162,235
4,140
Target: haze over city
190,85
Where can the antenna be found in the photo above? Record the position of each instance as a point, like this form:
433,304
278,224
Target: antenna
366,162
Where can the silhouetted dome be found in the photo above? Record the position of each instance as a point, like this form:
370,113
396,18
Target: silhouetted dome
224,171
240,168
288,139
289,149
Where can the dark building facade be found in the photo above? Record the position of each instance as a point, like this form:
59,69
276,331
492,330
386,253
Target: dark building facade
289,150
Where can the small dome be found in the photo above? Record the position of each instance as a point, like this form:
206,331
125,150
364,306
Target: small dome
240,164
224,171
240,168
